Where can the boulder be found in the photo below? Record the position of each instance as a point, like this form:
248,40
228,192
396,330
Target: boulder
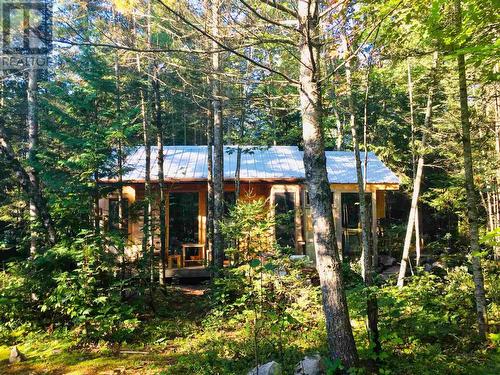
310,365
16,356
269,368
386,260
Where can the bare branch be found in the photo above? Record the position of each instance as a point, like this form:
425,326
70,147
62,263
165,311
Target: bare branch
264,18
224,46
362,44
280,7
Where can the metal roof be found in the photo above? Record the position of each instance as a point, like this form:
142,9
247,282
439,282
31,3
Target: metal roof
276,162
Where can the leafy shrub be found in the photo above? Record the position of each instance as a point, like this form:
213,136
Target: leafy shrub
266,293
74,285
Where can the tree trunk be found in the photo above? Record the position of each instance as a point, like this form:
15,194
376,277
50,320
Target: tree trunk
339,333
496,193
241,130
32,124
366,254
97,215
161,177
418,174
218,168
210,182
417,237
143,94
414,161
147,242
32,191
477,271
122,224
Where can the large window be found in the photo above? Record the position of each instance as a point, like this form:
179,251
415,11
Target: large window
183,219
351,222
285,218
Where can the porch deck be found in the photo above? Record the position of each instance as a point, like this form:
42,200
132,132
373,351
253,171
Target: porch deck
190,272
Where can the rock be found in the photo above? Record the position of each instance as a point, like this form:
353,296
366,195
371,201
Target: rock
119,371
310,365
16,356
269,368
386,260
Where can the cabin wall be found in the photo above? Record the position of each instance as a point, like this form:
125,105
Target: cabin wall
248,191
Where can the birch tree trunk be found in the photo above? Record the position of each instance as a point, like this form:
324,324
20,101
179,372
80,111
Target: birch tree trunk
418,174
32,124
477,272
413,157
339,333
218,139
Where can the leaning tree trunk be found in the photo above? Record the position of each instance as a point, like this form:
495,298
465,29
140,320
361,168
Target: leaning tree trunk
418,174
339,332
477,271
413,158
366,253
218,139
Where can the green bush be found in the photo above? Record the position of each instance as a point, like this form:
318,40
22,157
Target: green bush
75,285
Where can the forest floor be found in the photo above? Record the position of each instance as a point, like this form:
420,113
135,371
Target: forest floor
57,354
179,343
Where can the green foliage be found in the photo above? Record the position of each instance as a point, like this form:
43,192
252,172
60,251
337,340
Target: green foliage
266,294
428,327
75,285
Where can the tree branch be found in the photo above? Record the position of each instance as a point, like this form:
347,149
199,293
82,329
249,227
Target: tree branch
264,18
224,46
275,5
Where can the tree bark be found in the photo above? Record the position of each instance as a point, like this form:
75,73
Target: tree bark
479,291
32,191
147,242
418,174
414,161
161,177
218,139
32,124
366,253
97,216
339,333
496,193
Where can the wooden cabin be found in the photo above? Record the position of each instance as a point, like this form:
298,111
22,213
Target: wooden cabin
273,173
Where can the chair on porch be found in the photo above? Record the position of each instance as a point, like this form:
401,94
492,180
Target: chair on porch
175,253
197,257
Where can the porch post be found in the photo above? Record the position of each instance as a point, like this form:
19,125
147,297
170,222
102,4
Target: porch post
337,219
